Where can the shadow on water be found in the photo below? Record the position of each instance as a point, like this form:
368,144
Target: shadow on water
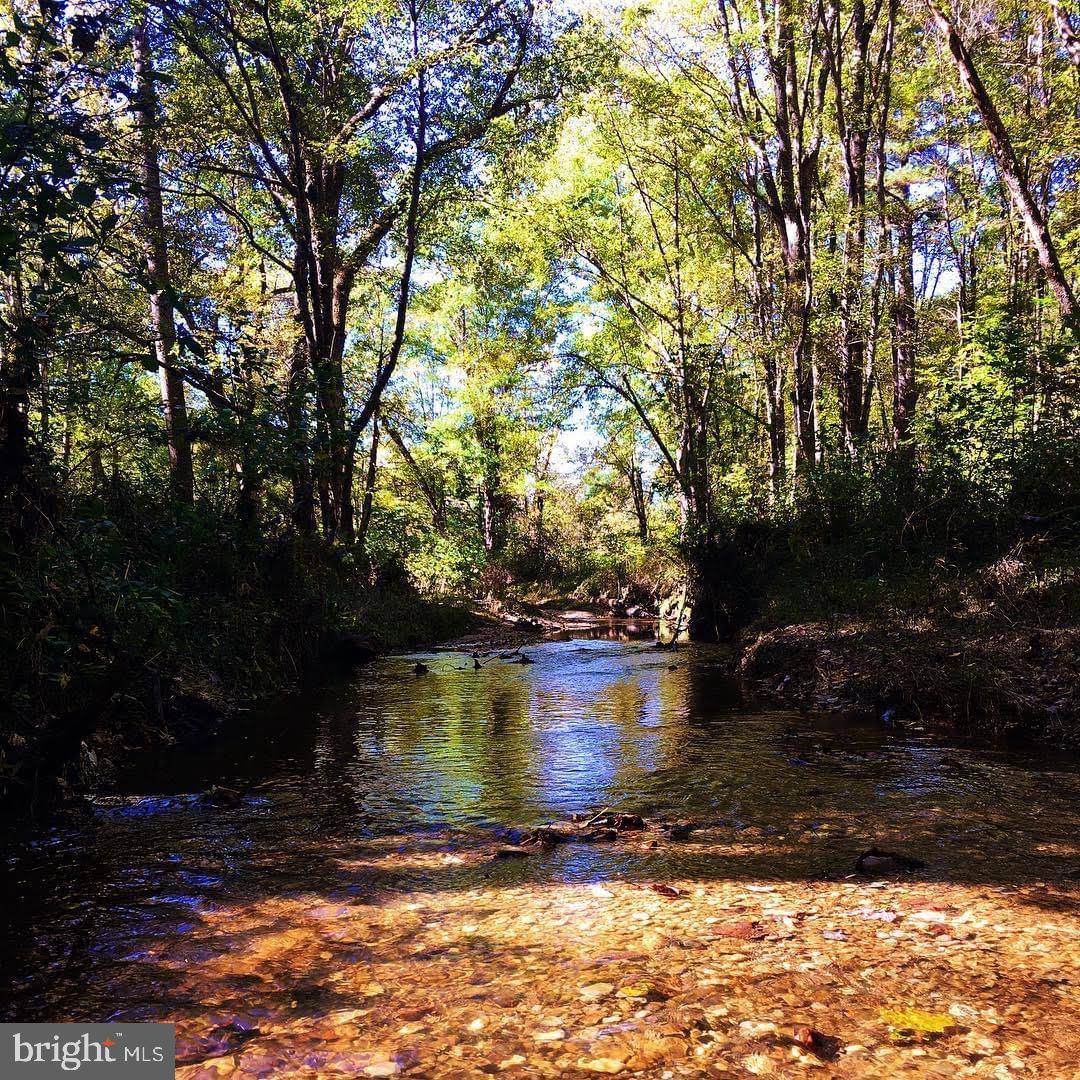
373,784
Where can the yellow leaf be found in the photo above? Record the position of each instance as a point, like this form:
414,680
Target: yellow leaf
601,1065
915,1023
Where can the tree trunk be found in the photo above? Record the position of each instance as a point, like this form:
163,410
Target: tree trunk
433,497
783,182
368,500
792,202
65,453
772,364
804,398
854,106
904,329
15,375
303,491
249,495
641,506
162,316
1009,169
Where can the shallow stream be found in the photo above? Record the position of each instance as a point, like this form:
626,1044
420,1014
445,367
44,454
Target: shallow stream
457,754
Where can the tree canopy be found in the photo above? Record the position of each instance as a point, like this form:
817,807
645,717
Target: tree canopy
471,286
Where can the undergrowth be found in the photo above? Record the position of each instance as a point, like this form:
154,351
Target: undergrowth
132,623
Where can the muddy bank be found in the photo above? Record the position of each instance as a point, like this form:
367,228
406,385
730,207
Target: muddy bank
980,676
506,624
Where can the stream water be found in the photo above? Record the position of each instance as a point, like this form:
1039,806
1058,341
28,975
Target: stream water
600,719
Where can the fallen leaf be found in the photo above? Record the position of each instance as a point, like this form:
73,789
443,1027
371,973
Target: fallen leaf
601,1065
382,1068
744,930
879,916
665,890
906,1025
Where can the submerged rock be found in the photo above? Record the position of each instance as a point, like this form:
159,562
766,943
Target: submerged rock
224,796
598,836
546,834
511,852
876,863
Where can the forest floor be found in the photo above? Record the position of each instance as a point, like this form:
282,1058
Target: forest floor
847,978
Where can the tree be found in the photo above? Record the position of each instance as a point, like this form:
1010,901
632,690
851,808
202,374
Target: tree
159,282
320,105
1009,167
48,231
782,121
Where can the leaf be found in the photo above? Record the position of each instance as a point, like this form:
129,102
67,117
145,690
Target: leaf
601,1065
84,194
93,140
665,890
596,991
641,991
745,930
908,1024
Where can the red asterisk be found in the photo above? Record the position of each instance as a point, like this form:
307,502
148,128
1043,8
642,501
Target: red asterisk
107,1042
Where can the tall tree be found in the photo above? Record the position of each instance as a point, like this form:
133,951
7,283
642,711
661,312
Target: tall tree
1009,168
861,80
782,121
158,278
322,102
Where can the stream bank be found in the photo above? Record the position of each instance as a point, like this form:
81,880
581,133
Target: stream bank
985,643
977,676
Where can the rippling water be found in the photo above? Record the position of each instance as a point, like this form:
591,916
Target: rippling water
591,723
